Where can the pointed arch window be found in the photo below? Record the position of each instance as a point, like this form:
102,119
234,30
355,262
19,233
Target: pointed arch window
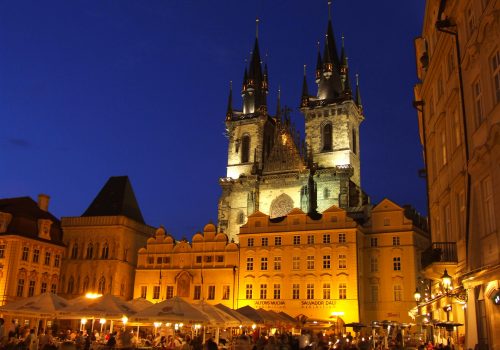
74,251
86,283
245,149
105,251
327,137
354,142
241,218
326,193
102,285
71,285
90,251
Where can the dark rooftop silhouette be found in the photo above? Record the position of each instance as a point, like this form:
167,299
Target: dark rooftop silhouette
116,198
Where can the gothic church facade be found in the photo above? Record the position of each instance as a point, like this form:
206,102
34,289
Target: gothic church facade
270,168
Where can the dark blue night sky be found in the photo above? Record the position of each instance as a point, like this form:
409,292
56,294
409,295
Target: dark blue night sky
92,89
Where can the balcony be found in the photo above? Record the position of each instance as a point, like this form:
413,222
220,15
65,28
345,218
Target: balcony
440,254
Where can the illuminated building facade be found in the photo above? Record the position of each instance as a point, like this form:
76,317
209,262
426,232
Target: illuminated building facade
392,245
270,169
306,265
328,264
205,269
458,103
300,264
31,248
102,244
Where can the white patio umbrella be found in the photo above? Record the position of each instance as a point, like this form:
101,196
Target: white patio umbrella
139,304
44,305
239,316
41,307
174,310
218,317
108,306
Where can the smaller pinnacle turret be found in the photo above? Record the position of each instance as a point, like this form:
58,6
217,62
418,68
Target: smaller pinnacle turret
358,94
347,82
305,92
265,81
244,85
278,105
319,65
344,70
229,112
343,57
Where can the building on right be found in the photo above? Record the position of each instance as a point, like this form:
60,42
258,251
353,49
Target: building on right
458,104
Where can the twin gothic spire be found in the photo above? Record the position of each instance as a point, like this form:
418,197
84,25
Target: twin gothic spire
331,76
332,72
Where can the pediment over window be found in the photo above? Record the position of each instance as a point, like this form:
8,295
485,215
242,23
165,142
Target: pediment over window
44,226
5,219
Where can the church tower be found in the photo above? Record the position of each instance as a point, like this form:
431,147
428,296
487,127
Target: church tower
332,120
249,130
269,168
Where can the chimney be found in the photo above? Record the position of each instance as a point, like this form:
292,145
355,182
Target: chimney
43,201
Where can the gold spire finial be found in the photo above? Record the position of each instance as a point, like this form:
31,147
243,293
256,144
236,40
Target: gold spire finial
330,10
305,65
230,84
357,79
279,91
342,39
257,28
319,46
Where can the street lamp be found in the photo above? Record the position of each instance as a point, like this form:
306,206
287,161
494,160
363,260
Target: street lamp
446,281
417,296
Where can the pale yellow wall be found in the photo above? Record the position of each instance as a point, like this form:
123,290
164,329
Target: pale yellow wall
297,223
123,236
388,225
13,268
182,259
357,275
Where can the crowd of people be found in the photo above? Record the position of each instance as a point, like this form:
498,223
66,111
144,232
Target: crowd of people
23,338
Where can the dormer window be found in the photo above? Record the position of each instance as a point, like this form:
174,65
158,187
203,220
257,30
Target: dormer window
4,221
44,226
